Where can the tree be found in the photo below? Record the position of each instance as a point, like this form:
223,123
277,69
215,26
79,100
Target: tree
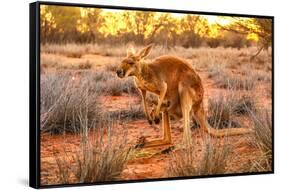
262,28
140,23
47,24
164,29
194,28
65,19
90,23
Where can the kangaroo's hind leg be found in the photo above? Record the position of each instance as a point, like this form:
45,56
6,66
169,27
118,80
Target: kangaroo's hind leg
166,134
200,116
186,106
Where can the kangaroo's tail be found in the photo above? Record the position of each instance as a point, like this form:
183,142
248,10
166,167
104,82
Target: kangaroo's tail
202,119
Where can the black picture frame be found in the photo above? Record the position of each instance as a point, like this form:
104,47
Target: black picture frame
34,91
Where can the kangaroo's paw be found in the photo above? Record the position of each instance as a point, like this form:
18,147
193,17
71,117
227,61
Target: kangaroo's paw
141,142
157,119
150,121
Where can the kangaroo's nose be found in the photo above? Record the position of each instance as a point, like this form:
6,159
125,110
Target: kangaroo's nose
119,72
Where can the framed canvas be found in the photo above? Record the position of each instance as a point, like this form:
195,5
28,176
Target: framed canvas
126,94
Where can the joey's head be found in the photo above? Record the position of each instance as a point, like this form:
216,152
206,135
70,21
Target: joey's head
164,107
131,64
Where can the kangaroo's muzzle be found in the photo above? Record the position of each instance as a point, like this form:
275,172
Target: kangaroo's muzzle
120,73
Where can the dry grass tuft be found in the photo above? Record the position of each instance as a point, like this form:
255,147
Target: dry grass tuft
133,113
212,160
215,159
115,86
63,98
234,82
112,67
101,156
224,109
242,105
262,140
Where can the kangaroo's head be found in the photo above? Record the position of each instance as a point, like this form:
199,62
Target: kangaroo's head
131,65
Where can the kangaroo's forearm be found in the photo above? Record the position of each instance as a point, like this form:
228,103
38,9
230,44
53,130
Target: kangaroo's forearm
145,108
144,103
162,95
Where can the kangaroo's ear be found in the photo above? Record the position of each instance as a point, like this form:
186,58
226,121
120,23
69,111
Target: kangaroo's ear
145,51
130,51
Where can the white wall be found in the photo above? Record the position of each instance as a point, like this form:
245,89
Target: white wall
14,92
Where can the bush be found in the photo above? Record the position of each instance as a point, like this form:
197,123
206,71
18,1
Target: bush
101,76
133,113
243,104
63,97
116,87
211,160
111,67
85,65
224,109
230,81
193,40
100,157
221,114
215,71
233,40
262,140
213,42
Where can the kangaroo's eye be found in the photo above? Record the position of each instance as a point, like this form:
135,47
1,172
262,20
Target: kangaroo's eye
131,63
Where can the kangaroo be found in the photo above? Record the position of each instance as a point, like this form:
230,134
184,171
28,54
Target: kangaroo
179,89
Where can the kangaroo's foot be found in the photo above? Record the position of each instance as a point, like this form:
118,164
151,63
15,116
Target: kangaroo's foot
143,143
168,150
